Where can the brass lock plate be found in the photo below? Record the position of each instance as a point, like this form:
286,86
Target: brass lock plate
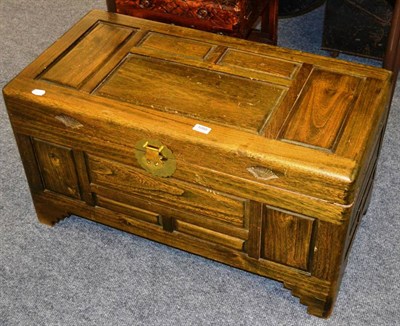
155,158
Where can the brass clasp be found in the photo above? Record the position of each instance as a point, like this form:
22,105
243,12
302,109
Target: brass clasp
155,158
153,154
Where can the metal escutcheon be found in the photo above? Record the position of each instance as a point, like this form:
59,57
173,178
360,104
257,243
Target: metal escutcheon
155,158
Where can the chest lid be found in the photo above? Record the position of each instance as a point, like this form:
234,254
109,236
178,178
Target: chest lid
271,115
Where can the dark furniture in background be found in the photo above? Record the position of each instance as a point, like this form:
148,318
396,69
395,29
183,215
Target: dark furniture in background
392,56
357,27
369,28
292,8
230,17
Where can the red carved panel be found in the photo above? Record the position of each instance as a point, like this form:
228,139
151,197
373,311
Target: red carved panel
227,16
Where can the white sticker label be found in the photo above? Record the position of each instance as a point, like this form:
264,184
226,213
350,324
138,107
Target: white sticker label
39,92
202,129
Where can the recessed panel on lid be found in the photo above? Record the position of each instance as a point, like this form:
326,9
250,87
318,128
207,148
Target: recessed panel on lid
176,46
195,92
258,64
322,109
88,55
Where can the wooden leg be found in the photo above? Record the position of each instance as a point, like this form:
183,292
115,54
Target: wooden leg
269,21
323,311
391,60
317,305
269,25
334,54
48,213
111,6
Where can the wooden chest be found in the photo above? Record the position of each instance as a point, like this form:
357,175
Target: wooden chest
252,155
231,17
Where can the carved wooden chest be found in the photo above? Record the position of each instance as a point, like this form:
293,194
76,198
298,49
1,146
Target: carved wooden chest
232,17
255,156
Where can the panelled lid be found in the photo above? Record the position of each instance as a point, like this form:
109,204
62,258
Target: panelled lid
303,119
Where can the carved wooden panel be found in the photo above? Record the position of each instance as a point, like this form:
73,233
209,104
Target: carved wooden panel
29,160
57,168
194,92
177,46
258,64
209,235
127,203
286,238
279,116
87,55
127,209
328,249
321,112
174,194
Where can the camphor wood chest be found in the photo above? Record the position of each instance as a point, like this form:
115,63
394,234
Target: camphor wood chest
255,156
